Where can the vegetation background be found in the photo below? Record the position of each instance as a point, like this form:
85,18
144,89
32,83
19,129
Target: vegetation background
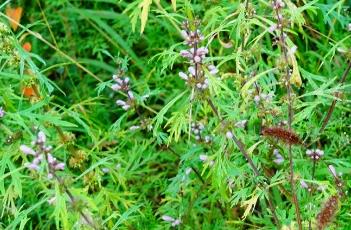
171,154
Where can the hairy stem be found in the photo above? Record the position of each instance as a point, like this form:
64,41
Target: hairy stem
290,116
310,193
249,160
333,104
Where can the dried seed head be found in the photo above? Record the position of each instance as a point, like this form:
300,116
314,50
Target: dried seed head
282,134
328,212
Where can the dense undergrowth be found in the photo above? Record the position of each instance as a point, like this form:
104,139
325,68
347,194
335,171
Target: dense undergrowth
178,114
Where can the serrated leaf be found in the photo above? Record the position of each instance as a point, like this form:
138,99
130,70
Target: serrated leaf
145,7
174,5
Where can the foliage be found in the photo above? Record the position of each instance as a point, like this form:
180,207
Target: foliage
213,150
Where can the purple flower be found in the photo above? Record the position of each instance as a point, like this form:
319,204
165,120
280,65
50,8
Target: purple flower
332,170
2,112
278,4
59,166
303,184
213,69
315,154
41,138
229,135
174,222
32,166
183,76
27,150
167,218
279,159
121,84
130,95
123,104
186,54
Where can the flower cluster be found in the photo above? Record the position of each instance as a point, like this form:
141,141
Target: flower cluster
315,154
263,97
2,112
40,151
278,4
196,75
122,84
197,129
169,219
279,159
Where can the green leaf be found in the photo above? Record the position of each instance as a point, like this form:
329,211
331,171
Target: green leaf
145,7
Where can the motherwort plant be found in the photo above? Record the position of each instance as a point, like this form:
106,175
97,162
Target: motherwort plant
196,77
41,154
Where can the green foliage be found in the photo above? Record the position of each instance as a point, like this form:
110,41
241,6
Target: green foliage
144,167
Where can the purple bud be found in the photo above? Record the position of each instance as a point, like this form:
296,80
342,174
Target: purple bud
130,95
229,135
121,103
50,176
2,112
60,166
203,157
51,159
197,59
186,54
27,150
184,34
33,166
272,28
213,69
116,87
332,170
278,161
167,218
191,70
303,184
201,51
41,137
37,159
176,222
183,76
